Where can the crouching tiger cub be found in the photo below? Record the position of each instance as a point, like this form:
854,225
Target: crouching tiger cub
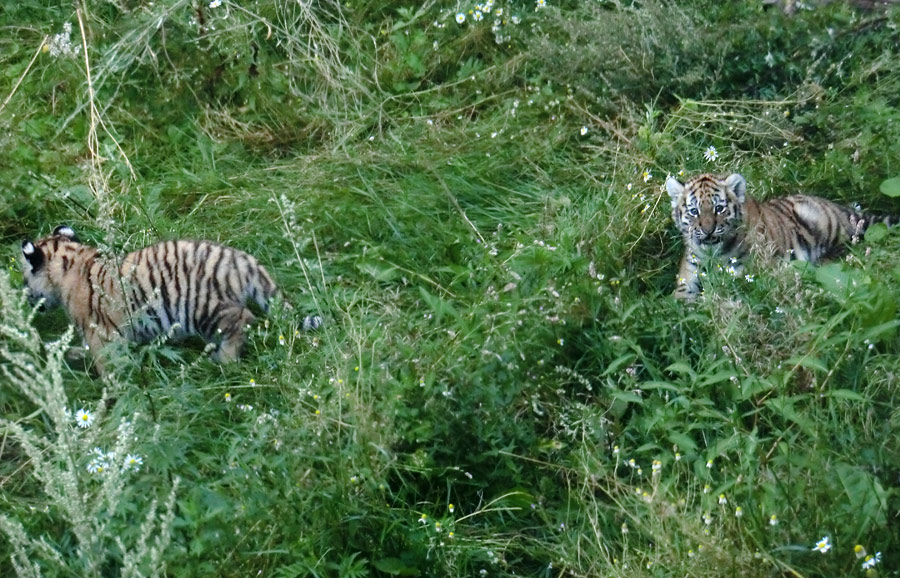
715,213
178,287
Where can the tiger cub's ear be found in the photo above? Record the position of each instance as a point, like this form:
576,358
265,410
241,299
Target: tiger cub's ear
675,189
65,231
31,253
738,186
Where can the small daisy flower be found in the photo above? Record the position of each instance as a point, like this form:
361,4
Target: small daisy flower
711,154
541,4
584,130
227,397
215,3
823,545
281,340
460,17
477,16
722,500
647,175
84,418
773,520
709,464
515,19
624,528
423,519
859,551
133,462
738,512
871,561
95,467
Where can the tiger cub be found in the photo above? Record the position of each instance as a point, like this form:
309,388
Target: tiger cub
714,213
176,287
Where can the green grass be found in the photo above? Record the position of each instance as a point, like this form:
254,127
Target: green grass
500,341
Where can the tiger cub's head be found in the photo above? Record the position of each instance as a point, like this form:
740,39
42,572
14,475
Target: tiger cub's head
39,260
708,209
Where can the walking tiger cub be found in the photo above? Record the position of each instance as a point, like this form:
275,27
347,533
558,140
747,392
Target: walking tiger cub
183,287
715,213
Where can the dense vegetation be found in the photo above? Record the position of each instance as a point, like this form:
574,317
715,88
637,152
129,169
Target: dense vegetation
472,197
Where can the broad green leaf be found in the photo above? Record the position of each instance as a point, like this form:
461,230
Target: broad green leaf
717,377
619,363
784,407
661,385
379,271
683,441
440,306
834,278
866,496
809,362
847,394
890,187
876,232
628,396
881,331
680,367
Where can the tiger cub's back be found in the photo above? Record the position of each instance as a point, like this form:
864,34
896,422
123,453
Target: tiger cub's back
197,287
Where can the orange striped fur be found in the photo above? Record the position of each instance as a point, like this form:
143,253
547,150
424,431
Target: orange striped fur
176,287
714,214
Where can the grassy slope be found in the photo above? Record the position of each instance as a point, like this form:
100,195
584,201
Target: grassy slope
495,283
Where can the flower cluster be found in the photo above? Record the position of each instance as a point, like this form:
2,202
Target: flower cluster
101,462
61,44
488,9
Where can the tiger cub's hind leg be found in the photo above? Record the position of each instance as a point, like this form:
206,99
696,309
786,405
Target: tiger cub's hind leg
230,326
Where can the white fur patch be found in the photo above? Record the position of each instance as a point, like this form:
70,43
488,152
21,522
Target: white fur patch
65,231
675,190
